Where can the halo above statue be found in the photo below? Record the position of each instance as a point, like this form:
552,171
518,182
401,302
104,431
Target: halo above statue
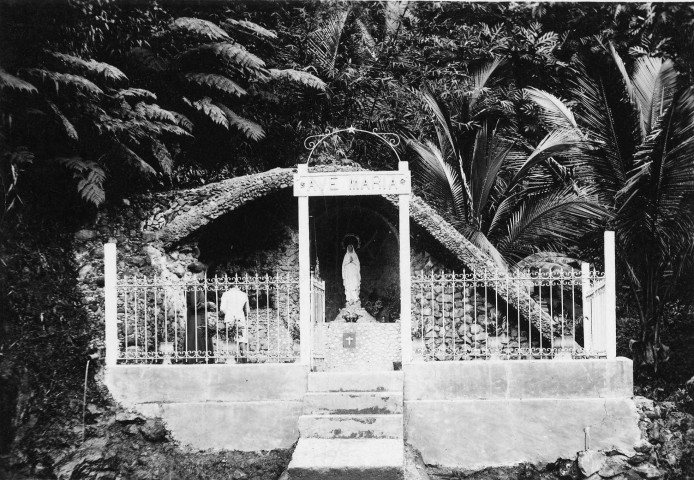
355,241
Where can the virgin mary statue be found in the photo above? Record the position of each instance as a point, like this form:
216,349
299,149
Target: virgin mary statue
351,276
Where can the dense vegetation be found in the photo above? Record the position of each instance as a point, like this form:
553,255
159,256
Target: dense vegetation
532,127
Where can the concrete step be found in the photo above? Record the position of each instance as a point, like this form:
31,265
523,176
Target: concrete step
374,381
343,403
318,459
350,426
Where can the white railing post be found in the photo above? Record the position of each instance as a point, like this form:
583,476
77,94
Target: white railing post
405,280
111,304
610,296
587,317
304,277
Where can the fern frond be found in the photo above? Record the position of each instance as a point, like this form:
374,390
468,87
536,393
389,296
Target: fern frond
250,129
182,121
11,82
200,28
89,68
155,112
64,80
231,55
120,154
217,83
298,76
162,155
90,178
136,94
249,27
147,60
66,125
211,111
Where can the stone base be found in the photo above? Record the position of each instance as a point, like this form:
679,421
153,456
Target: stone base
376,347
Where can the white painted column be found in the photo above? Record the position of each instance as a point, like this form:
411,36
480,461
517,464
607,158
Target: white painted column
405,281
587,314
110,304
304,277
610,296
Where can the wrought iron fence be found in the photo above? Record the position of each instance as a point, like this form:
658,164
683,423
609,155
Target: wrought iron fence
473,316
183,321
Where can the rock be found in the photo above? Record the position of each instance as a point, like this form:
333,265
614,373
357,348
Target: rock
196,267
567,469
179,270
643,446
613,466
638,458
647,470
128,417
84,272
138,261
85,235
590,462
148,236
153,430
239,474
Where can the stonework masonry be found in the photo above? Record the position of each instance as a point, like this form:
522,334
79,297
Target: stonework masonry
376,346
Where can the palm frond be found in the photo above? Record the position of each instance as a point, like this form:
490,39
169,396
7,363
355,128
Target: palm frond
249,27
90,178
216,83
211,111
565,142
480,77
489,154
298,76
394,11
595,114
323,42
548,261
654,82
89,68
250,129
554,112
549,221
439,176
199,28
11,82
444,126
63,80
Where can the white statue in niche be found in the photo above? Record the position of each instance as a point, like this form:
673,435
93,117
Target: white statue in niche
351,271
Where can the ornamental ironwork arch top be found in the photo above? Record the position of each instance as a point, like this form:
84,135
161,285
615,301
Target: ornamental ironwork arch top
312,142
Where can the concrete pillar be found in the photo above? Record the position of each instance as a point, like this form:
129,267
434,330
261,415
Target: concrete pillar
610,296
304,277
111,304
405,283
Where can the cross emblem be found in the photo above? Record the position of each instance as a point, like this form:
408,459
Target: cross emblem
349,340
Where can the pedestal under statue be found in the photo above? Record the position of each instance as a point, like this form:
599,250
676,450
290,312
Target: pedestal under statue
351,279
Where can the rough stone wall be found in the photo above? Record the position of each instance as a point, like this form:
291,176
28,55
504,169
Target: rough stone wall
377,346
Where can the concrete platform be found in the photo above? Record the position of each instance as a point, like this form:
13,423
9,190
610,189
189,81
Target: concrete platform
377,381
350,426
367,459
361,403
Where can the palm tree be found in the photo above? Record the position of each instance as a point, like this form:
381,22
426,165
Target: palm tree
512,201
646,174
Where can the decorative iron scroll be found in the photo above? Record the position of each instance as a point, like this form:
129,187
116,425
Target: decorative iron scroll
312,142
